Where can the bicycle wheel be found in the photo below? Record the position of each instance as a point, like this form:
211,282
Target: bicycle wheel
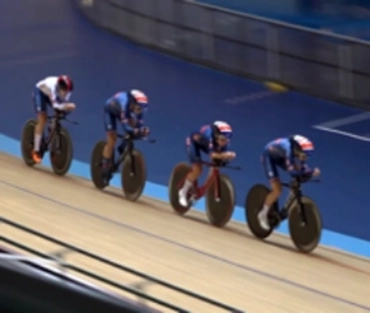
133,177
61,152
219,211
253,205
27,140
96,165
177,179
305,236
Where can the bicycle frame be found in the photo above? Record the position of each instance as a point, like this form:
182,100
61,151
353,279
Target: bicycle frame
52,131
201,190
295,193
129,147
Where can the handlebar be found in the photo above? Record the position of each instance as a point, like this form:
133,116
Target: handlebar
129,137
296,182
60,117
149,140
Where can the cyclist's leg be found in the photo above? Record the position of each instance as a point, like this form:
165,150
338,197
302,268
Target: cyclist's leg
271,171
41,102
110,124
194,155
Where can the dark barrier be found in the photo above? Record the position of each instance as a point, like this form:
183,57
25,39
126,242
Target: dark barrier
316,62
23,289
119,267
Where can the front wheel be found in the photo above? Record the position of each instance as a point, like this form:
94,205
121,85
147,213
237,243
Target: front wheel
253,205
61,152
177,179
305,235
220,207
27,139
133,177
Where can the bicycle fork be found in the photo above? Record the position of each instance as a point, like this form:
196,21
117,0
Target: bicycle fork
302,212
132,163
217,188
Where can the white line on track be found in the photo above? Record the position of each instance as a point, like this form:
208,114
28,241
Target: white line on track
342,133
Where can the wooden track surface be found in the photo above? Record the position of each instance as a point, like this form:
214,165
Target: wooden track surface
228,265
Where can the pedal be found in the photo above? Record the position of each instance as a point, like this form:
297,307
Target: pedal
114,169
44,148
120,149
191,198
274,219
107,176
42,153
191,202
283,214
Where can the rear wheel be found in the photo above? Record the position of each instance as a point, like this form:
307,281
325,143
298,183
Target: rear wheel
96,165
177,179
27,141
253,205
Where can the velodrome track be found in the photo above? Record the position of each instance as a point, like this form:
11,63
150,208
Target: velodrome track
228,265
52,37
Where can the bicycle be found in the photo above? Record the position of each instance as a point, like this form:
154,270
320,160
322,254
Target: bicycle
57,140
218,190
305,224
133,171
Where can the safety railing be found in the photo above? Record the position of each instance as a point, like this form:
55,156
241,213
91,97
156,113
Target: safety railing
138,289
318,62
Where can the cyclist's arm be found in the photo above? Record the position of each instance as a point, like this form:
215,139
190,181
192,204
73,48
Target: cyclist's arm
220,154
52,97
217,155
291,164
59,106
140,120
299,169
125,122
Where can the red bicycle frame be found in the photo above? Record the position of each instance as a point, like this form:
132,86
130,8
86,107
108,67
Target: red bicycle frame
199,191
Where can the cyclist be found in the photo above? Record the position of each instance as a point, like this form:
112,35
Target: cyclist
128,108
289,154
213,140
53,91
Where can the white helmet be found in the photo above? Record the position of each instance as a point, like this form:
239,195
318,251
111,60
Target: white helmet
223,129
304,143
139,97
